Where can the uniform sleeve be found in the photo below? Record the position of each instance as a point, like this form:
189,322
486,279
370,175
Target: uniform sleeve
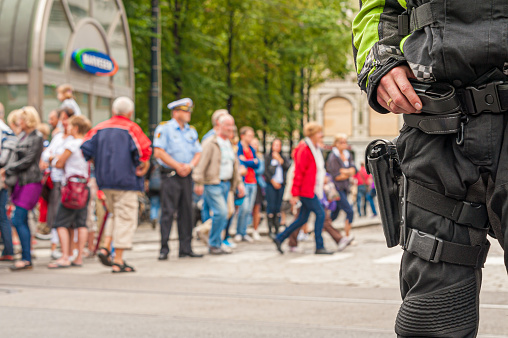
197,145
376,44
159,138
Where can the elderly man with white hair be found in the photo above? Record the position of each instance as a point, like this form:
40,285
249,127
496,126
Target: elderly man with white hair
121,153
216,174
215,121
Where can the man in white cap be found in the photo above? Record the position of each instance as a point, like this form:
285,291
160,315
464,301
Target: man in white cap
177,148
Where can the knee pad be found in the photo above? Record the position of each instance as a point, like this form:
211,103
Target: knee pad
448,312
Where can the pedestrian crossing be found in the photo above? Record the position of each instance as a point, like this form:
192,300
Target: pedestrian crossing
492,260
303,258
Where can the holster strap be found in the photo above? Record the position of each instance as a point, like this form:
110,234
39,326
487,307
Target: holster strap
418,18
466,213
435,124
434,250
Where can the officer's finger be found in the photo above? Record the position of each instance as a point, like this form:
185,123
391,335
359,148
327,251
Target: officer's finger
384,99
399,102
401,78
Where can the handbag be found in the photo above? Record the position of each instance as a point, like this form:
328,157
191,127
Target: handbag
75,193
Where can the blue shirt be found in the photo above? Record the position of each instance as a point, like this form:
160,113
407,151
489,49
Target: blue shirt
211,132
180,144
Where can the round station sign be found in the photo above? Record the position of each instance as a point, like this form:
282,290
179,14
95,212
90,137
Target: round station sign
95,62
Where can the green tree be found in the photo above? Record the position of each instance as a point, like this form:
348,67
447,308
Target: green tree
257,58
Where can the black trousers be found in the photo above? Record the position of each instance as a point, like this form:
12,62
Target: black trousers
176,196
442,299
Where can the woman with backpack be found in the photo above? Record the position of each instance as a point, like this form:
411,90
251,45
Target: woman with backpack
72,210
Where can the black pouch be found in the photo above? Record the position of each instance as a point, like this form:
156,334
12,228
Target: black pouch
383,162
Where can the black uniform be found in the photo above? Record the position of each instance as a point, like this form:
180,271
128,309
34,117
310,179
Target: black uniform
460,158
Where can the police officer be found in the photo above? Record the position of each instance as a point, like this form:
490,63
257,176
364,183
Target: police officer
453,147
177,148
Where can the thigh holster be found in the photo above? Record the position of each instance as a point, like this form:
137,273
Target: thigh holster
394,194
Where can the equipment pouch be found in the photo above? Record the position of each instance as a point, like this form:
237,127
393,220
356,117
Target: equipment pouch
383,162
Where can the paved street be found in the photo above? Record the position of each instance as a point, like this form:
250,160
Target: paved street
254,292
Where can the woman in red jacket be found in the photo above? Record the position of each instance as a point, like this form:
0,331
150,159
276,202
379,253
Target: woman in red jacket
307,187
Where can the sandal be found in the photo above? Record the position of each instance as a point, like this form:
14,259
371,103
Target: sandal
105,258
26,266
123,268
58,265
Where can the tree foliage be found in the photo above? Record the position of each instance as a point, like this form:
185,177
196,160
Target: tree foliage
256,58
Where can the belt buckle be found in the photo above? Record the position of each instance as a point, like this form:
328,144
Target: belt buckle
486,98
425,246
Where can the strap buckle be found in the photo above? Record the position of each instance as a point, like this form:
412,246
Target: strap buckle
485,98
425,246
403,24
472,214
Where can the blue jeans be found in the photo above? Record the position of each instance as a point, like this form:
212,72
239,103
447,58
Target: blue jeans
5,225
205,212
155,207
308,205
361,197
343,204
245,211
20,222
216,196
273,199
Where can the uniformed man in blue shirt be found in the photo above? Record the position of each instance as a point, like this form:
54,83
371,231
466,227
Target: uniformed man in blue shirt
177,149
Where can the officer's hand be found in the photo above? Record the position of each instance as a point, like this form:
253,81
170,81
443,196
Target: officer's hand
183,170
396,94
199,189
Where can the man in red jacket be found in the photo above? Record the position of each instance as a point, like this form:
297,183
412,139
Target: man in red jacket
308,185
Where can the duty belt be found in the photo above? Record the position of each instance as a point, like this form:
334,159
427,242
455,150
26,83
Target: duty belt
447,110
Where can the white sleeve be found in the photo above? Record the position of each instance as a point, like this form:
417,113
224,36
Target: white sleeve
73,145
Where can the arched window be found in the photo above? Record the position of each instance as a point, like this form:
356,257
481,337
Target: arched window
338,117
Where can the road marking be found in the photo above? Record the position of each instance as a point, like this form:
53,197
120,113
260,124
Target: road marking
316,259
392,259
248,256
395,259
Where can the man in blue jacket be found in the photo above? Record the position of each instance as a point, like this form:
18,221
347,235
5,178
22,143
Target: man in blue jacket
121,153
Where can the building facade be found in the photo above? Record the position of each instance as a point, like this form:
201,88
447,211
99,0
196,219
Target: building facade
45,43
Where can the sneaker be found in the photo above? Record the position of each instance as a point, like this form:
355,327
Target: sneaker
226,248
323,251
238,238
344,242
248,239
217,251
229,244
43,237
302,236
255,236
55,254
74,255
294,249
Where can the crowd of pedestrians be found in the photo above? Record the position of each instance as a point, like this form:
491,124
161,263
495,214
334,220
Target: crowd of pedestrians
72,174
